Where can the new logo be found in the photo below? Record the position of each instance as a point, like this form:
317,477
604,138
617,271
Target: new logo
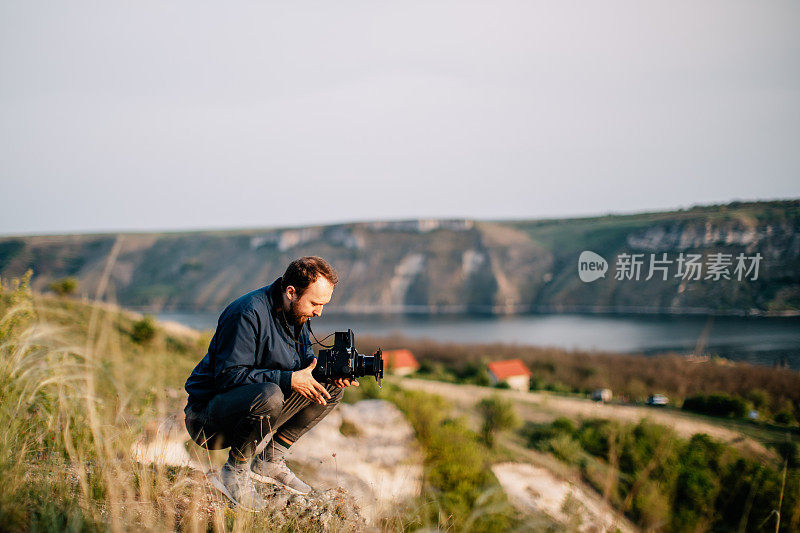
591,266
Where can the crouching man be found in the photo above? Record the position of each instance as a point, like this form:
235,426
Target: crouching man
256,380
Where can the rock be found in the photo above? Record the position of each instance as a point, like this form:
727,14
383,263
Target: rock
379,463
328,510
358,476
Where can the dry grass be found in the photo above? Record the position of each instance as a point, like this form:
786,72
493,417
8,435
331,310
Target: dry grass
75,394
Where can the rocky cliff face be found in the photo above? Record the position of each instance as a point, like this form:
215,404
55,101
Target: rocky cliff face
450,266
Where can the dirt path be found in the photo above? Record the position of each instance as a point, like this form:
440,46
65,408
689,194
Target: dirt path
532,488
684,425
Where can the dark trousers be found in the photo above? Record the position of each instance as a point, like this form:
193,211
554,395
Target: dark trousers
241,417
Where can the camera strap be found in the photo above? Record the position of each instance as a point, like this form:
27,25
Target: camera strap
316,341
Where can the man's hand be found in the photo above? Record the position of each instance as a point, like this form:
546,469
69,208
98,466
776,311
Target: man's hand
344,382
304,383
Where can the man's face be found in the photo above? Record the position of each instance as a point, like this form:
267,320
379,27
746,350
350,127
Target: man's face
310,303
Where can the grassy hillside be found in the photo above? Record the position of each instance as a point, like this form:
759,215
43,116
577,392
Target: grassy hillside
79,385
441,266
665,471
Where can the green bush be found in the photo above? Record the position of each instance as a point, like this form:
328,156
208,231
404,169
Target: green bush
564,425
596,436
538,435
64,286
462,491
498,415
722,405
144,330
368,389
565,448
666,483
437,371
348,429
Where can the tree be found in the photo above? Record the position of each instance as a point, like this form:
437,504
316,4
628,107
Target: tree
498,415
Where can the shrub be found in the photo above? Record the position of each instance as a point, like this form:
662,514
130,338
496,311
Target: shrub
666,483
64,286
717,404
348,429
498,415
458,480
565,448
144,330
563,424
596,435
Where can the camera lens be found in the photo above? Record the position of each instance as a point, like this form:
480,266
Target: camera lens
369,365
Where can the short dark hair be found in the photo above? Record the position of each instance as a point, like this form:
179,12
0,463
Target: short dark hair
304,271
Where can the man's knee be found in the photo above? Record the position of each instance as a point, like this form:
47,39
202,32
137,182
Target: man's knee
268,401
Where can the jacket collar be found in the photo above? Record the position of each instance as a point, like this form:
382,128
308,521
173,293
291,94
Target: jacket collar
275,295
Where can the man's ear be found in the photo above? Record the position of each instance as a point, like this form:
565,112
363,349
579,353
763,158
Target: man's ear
291,293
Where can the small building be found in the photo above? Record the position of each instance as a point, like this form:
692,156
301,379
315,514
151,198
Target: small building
601,395
511,371
400,362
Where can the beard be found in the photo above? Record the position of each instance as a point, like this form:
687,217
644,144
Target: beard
293,316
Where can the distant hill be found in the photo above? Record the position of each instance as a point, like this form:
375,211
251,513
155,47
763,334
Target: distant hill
446,266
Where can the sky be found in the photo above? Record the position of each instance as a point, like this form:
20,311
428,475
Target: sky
173,115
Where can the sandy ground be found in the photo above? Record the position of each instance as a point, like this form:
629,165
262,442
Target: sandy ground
576,407
534,489
378,463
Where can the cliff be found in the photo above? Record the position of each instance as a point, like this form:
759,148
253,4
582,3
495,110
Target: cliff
446,266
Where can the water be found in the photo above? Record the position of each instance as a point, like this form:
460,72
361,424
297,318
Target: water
765,341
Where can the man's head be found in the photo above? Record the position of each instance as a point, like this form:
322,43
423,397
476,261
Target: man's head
307,285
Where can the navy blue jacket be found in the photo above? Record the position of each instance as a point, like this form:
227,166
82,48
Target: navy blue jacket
251,345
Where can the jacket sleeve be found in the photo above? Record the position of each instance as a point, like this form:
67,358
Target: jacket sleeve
234,361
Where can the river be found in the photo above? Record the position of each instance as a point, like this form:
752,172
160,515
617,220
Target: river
765,341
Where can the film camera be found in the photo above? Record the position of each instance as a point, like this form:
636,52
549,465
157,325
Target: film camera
343,361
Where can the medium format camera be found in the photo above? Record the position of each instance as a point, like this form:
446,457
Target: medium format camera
343,361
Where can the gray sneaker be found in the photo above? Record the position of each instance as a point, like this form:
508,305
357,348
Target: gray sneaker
277,473
235,483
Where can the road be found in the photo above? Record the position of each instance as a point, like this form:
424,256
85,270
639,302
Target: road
685,425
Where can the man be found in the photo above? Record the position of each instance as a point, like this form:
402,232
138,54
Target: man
256,379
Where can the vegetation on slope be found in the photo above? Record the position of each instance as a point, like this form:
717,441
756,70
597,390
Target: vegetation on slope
666,483
72,408
77,388
774,392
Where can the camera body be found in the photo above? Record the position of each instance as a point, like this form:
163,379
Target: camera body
343,361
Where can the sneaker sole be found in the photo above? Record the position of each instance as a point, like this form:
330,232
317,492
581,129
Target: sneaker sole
273,481
217,484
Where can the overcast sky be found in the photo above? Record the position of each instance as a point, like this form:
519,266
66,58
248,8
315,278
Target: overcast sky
191,115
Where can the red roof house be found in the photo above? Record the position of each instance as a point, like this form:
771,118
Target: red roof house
511,371
401,362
